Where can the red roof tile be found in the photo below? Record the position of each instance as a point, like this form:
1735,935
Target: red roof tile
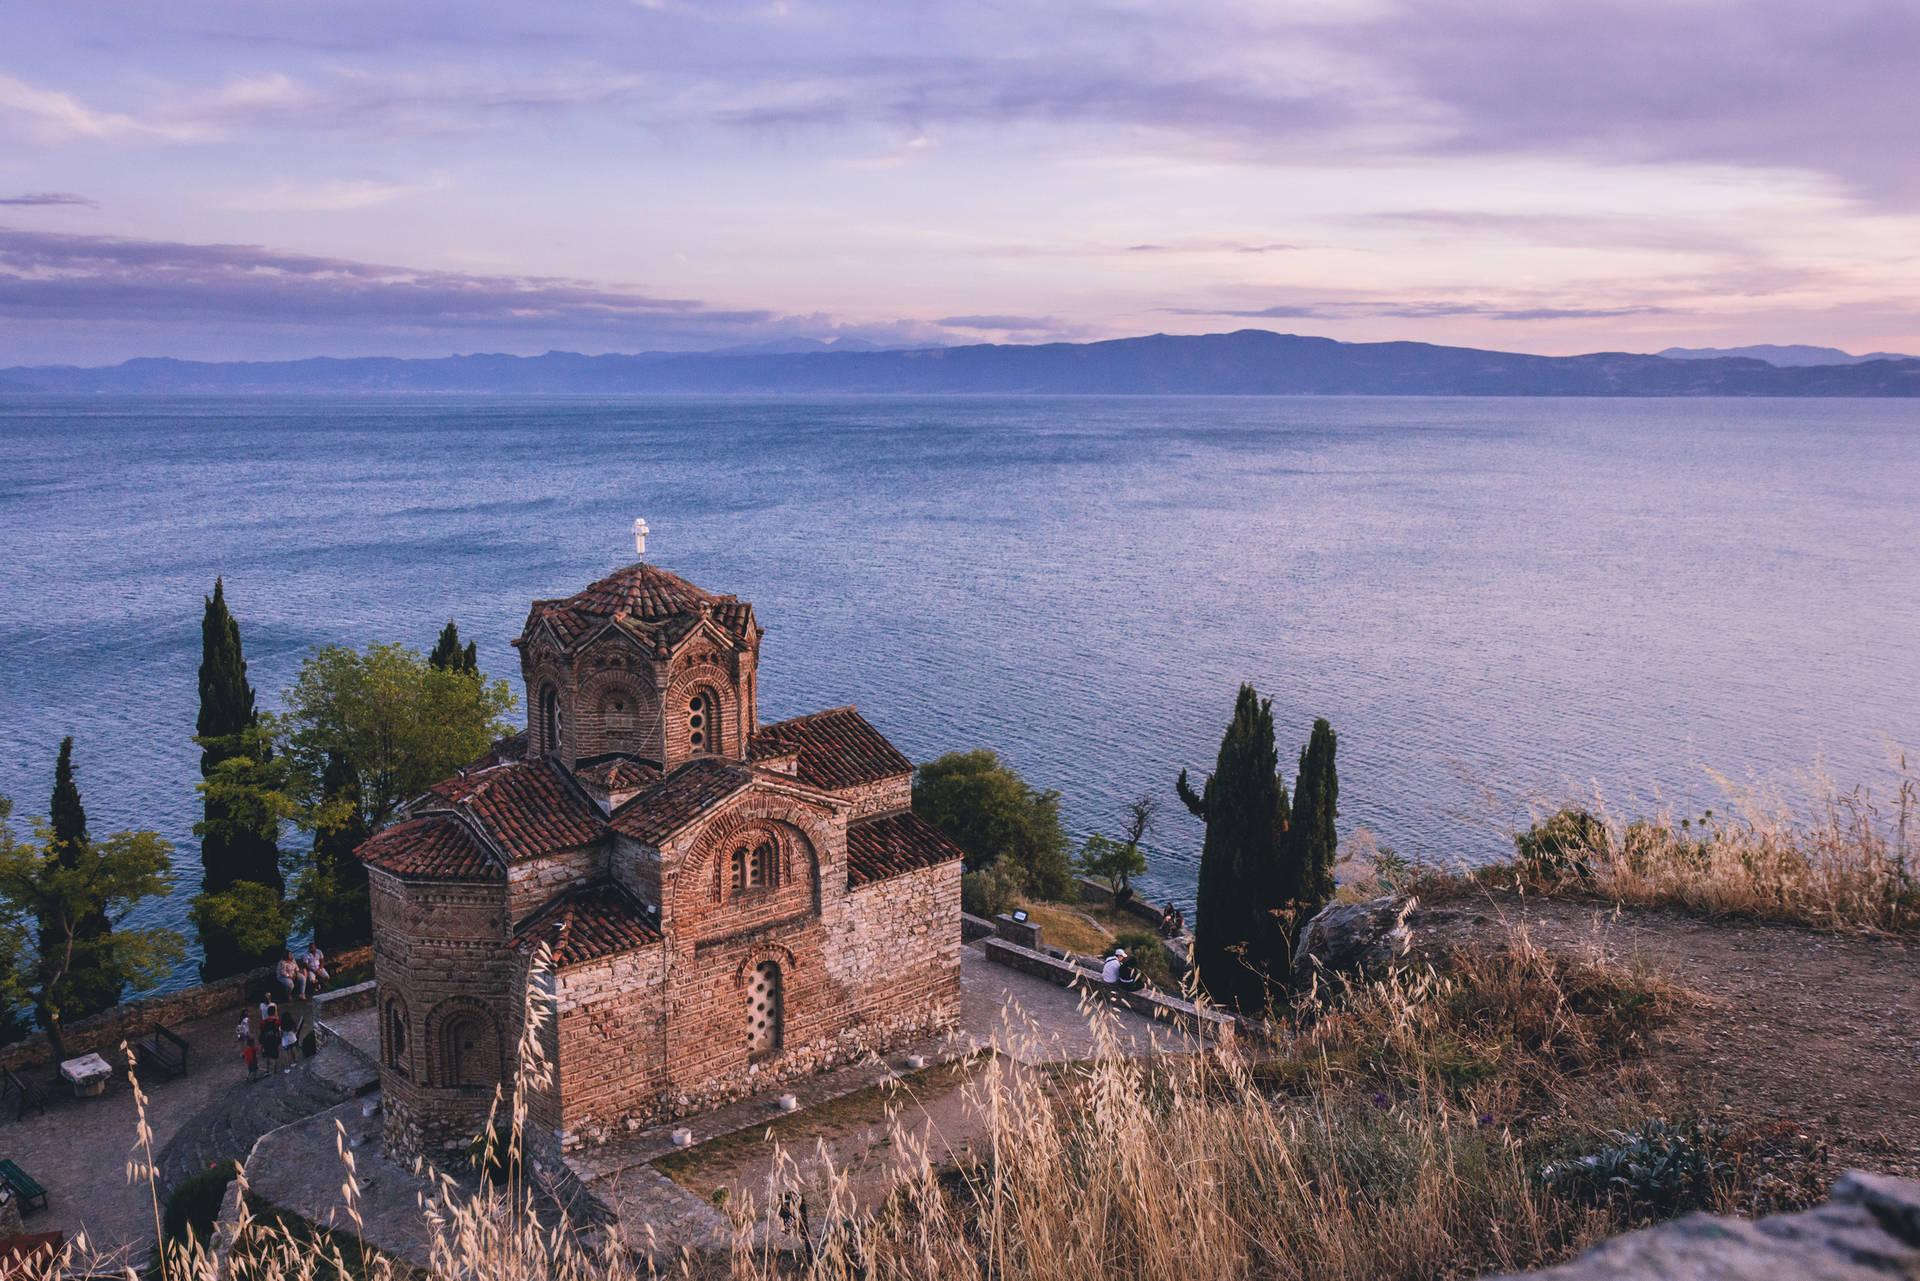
434,846
647,601
620,774
893,845
677,800
527,807
587,924
836,749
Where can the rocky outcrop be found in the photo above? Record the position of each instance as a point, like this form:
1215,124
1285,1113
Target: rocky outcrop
1869,1231
1345,937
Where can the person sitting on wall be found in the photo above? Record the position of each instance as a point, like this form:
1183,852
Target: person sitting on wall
313,969
1169,921
286,975
1130,979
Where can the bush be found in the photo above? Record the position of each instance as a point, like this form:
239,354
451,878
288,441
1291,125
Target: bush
1151,955
1566,843
992,890
195,1204
1657,1170
986,808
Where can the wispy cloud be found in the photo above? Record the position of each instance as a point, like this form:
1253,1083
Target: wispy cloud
49,198
333,196
1417,311
52,116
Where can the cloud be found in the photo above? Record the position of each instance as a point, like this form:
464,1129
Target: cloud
52,117
1016,323
334,196
49,198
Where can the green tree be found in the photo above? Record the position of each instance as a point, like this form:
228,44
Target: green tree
990,812
1240,948
242,789
449,657
1315,846
47,893
89,989
1114,862
400,723
332,892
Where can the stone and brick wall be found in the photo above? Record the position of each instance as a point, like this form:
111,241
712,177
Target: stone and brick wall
610,1018
532,883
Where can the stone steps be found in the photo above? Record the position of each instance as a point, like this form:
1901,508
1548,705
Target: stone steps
227,1128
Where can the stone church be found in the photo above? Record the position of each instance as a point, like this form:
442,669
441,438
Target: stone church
726,904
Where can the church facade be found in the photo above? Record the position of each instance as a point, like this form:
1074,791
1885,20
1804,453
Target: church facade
722,905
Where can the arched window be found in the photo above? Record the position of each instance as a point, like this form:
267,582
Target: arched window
550,718
766,1009
395,1039
472,1058
700,727
755,867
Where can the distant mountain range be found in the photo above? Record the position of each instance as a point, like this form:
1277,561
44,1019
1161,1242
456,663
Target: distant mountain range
1786,357
1249,362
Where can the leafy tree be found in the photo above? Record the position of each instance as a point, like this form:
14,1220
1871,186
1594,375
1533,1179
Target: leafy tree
1315,846
992,890
1239,947
990,812
249,914
1111,861
90,990
399,722
449,657
333,889
46,893
241,789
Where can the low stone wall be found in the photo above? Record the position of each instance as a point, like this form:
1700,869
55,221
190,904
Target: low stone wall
346,1000
1154,1005
974,927
103,1032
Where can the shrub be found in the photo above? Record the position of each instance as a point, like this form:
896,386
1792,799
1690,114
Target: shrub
1658,1170
1565,843
986,808
195,1204
992,890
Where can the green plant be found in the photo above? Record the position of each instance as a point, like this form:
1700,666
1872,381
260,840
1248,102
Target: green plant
1565,843
195,1203
1658,1169
983,805
992,890
1151,955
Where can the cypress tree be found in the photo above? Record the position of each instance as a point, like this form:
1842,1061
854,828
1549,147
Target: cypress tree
90,986
1238,943
337,904
239,837
448,656
1316,803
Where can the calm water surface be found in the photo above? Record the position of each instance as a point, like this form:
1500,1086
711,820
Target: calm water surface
1486,597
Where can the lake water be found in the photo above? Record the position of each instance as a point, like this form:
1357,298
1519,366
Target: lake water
1487,597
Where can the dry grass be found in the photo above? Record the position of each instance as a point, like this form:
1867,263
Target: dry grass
1831,859
1069,928
1397,1128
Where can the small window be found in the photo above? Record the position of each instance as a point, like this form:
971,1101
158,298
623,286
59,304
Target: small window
754,868
766,1009
697,711
550,714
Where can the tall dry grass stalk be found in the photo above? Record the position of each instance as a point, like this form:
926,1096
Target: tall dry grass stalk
1830,859
1397,1129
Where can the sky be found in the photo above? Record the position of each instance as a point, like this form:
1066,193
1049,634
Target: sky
269,179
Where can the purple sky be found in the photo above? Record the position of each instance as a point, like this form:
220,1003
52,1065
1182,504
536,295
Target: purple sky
269,179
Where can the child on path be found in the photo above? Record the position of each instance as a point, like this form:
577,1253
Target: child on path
250,1055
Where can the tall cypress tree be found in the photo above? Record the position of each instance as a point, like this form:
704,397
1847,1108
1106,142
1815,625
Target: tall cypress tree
448,656
239,837
1316,803
90,986
1238,943
337,906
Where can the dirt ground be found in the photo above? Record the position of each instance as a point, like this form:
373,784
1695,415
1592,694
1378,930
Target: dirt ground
1819,1029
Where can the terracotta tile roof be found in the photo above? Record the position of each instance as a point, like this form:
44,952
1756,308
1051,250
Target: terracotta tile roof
836,749
893,845
619,774
434,846
527,807
677,800
587,924
650,603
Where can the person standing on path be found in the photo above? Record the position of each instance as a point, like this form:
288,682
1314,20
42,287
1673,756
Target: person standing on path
250,1055
270,1037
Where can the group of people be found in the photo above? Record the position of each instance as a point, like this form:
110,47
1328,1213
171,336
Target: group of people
264,1042
297,978
1173,922
1122,972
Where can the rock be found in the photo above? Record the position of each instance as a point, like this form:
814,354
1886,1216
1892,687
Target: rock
1869,1231
1347,936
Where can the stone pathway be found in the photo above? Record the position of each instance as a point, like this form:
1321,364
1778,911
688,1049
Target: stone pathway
298,1167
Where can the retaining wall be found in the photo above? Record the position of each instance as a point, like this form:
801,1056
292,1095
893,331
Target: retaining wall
1155,1005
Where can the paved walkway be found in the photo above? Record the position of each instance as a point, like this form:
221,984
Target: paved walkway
78,1149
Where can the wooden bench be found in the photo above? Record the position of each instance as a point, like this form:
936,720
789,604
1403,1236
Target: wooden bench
23,1186
29,1094
165,1049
